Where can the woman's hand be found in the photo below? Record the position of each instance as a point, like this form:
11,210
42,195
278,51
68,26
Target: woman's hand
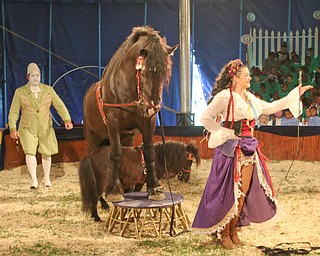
236,137
68,125
14,134
303,89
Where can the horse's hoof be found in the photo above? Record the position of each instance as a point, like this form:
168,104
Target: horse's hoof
114,198
96,218
156,194
157,197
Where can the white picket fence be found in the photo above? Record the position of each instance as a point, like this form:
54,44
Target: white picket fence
266,42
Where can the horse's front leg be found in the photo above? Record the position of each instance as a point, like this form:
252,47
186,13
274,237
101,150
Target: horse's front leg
114,189
154,189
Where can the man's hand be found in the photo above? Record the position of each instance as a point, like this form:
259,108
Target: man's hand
14,134
68,125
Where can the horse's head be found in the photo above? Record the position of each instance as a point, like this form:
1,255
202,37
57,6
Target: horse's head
138,71
152,59
192,155
158,63
184,175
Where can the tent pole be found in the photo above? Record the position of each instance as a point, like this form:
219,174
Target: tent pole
289,24
241,29
4,95
99,39
50,44
145,13
184,23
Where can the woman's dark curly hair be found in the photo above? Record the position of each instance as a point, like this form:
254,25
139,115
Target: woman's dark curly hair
225,77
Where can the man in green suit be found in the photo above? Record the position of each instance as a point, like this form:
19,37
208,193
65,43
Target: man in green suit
35,130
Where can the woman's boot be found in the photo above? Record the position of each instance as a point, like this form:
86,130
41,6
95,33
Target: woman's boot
234,237
226,241
233,231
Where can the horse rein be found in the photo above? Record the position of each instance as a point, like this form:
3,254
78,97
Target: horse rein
190,157
141,98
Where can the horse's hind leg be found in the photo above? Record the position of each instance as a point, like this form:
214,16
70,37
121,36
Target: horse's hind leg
104,203
94,211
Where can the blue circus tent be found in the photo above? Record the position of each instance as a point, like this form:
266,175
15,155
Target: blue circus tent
61,36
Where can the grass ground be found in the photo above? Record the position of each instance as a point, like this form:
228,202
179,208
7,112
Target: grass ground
49,221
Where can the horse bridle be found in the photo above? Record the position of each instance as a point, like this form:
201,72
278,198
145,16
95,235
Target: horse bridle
141,97
190,157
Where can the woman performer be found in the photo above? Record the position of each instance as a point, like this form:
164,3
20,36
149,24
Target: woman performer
239,188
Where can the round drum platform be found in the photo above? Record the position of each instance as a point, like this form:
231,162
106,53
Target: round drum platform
138,216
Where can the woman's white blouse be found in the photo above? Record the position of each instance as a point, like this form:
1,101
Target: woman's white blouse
243,110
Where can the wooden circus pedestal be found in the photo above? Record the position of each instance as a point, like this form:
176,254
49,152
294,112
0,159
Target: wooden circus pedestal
138,216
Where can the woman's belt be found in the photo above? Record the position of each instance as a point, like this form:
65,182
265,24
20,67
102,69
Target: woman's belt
241,128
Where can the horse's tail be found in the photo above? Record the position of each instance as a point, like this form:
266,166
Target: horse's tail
191,147
88,184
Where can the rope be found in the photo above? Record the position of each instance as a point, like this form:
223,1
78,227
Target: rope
46,50
65,60
289,248
170,109
166,171
298,131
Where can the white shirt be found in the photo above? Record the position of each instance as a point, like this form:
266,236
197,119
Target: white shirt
243,110
35,90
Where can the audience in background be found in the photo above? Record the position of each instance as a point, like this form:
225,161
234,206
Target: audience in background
307,116
270,61
285,68
272,85
310,53
309,66
295,62
288,119
316,99
255,82
264,92
282,54
291,82
284,90
280,74
263,119
316,82
314,119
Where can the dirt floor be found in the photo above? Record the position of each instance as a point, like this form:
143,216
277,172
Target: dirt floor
49,221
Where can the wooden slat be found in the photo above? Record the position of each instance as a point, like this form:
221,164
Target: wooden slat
276,147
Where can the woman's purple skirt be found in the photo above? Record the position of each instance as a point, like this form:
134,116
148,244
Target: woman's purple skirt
218,205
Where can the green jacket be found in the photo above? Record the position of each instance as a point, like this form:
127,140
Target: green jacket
35,113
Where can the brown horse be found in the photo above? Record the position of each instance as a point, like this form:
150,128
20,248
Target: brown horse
95,172
125,100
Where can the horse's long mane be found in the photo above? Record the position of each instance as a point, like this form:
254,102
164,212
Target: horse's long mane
175,157
157,61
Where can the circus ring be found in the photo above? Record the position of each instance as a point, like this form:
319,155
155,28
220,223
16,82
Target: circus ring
279,143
